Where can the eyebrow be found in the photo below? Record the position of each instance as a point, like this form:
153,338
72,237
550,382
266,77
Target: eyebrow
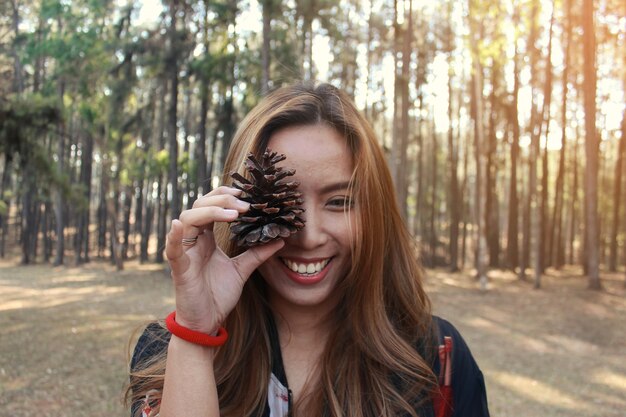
343,185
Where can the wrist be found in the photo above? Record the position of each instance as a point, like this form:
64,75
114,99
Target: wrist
194,336
196,327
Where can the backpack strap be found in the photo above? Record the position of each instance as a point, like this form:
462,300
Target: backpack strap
443,399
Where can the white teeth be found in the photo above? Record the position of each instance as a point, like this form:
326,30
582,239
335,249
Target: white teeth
308,269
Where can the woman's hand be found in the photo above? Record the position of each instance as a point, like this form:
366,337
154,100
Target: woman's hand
208,283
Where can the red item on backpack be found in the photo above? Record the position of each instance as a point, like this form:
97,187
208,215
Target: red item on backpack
443,399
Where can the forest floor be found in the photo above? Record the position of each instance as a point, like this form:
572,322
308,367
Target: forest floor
556,352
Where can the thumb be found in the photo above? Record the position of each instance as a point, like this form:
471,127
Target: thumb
251,259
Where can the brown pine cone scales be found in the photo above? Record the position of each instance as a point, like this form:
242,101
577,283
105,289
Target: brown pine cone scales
275,203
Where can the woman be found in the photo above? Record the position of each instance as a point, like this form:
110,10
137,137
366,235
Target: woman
332,320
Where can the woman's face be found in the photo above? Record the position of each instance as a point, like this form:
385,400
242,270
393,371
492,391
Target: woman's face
305,272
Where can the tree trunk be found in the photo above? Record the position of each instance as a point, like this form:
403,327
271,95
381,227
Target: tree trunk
591,145
401,168
265,51
434,240
574,204
161,219
512,244
146,229
400,108
18,75
102,215
82,241
28,218
476,32
481,189
531,208
555,244
128,200
419,203
454,205
204,181
546,116
617,195
172,131
59,200
464,192
5,185
492,228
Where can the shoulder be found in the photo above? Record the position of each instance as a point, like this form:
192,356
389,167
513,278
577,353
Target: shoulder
152,343
468,385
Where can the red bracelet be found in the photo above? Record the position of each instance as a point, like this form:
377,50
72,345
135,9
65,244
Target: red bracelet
195,337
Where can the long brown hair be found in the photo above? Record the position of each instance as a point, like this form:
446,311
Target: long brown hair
383,324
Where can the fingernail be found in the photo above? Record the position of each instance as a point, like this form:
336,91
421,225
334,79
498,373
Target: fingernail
231,212
243,204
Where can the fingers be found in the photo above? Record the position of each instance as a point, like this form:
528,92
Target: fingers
251,259
174,251
220,204
195,220
223,189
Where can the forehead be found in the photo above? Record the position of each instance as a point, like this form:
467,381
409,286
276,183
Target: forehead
313,151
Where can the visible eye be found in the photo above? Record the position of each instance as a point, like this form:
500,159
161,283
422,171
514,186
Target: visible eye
340,203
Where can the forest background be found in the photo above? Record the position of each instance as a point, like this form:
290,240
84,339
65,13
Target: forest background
504,122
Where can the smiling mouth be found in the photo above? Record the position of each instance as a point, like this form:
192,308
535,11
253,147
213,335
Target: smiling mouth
302,268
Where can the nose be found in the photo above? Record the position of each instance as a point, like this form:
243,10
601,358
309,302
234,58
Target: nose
314,232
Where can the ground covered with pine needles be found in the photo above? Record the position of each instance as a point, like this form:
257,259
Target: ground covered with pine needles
558,351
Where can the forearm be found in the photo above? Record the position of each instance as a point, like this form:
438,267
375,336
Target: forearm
189,389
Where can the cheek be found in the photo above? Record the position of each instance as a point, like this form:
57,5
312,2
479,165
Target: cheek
347,230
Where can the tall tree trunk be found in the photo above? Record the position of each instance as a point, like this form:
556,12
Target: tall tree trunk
190,178
531,208
477,117
481,189
546,117
161,199
574,204
479,150
419,203
172,131
265,51
465,214
140,183
161,219
28,219
18,73
146,229
203,181
434,240
102,216
617,195
591,145
540,259
402,45
512,245
454,205
82,243
401,185
555,244
59,201
5,185
492,228
128,200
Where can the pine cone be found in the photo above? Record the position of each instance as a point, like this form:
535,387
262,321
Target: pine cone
275,205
